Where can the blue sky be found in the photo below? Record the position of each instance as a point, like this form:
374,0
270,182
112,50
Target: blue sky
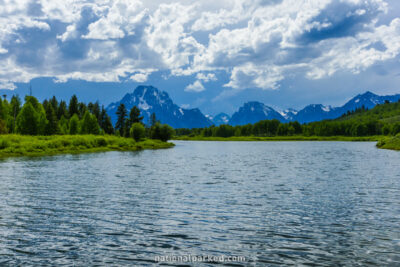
210,54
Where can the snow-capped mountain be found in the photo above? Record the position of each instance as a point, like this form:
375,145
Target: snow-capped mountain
150,100
252,112
221,118
316,112
368,100
288,114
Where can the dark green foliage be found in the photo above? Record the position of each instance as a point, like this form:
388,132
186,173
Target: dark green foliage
52,122
105,122
62,110
63,125
153,120
121,120
3,127
27,120
161,132
89,124
137,131
32,118
73,106
82,108
134,115
15,108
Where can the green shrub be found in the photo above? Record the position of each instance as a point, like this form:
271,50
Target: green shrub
137,131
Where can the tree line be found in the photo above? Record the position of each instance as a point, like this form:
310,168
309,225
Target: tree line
382,120
53,117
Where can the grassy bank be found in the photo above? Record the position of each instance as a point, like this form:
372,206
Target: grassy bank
392,143
279,138
20,145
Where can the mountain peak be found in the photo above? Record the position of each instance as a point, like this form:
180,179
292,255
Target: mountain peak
151,100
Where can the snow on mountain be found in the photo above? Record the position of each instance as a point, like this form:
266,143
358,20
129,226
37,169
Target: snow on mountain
150,100
221,118
252,112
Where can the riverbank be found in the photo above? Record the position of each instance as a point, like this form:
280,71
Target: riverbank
21,145
279,138
392,143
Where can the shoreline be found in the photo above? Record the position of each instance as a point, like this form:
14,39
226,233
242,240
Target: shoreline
280,138
36,146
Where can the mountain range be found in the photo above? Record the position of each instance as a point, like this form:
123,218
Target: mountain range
151,100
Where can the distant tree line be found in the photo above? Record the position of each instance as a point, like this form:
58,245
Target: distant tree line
382,120
53,117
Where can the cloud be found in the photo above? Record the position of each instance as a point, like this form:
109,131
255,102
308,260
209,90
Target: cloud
196,87
206,77
257,43
140,77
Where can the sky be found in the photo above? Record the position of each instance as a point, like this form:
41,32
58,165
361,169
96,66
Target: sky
207,54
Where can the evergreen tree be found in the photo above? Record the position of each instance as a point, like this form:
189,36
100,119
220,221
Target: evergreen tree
105,122
53,101
3,116
28,120
62,110
134,115
15,108
52,123
82,108
63,125
73,106
74,125
121,118
162,132
153,119
40,116
89,124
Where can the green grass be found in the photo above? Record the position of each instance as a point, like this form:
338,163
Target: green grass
279,138
392,143
21,145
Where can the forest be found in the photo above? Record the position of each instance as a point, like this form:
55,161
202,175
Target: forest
53,117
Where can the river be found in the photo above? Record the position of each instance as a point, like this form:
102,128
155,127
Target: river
274,203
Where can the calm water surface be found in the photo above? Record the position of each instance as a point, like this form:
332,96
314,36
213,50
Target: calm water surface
276,203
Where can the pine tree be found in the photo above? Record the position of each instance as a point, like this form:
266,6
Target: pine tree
89,124
15,108
105,122
62,110
28,120
52,123
53,101
73,106
82,108
134,115
153,119
121,113
40,115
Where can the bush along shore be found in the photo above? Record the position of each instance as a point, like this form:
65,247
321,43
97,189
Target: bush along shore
20,145
392,143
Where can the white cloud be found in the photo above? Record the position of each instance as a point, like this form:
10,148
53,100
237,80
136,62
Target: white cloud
140,77
196,87
256,42
206,77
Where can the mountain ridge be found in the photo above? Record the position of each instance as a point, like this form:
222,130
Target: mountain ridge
152,100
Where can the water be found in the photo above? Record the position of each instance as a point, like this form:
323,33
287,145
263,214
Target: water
276,203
